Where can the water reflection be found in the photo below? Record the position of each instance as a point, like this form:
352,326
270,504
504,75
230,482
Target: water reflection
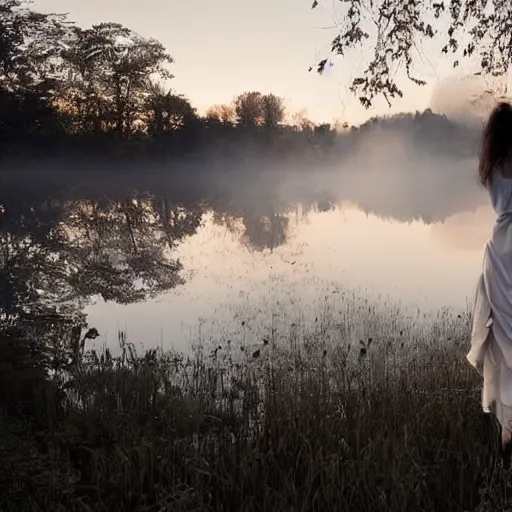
259,230
464,231
57,255
273,239
343,248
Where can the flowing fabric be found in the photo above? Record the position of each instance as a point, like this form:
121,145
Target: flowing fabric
491,340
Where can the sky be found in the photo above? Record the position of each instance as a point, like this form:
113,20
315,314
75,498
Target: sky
222,48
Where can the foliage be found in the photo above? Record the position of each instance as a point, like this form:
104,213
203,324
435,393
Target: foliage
29,50
108,84
395,30
167,111
29,45
255,109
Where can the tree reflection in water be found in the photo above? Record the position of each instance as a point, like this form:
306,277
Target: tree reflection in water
57,255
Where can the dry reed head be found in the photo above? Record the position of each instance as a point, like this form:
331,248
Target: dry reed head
309,426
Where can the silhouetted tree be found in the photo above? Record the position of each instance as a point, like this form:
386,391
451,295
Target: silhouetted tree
273,110
29,68
167,111
109,81
249,109
30,45
324,134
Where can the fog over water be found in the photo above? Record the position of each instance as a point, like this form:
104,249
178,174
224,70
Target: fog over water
392,214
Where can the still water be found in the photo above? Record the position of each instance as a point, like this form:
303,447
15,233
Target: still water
228,284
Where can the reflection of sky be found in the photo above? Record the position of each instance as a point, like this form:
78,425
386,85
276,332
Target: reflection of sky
464,231
411,262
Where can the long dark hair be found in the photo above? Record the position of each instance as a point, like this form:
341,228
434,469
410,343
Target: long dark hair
496,143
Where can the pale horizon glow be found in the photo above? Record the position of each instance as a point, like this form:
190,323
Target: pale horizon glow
222,49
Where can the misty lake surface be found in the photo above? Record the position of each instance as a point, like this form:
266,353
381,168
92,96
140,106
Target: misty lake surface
327,256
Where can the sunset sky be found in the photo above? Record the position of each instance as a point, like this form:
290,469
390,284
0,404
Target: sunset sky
224,47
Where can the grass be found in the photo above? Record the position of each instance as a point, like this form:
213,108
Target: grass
325,422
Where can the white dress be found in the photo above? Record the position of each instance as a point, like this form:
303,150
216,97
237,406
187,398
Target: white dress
491,341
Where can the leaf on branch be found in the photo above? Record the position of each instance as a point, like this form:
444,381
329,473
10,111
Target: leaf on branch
438,8
321,66
365,102
400,25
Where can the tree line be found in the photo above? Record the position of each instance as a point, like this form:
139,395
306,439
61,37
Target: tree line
63,86
60,83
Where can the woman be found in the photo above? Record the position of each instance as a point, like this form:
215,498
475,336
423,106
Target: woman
491,342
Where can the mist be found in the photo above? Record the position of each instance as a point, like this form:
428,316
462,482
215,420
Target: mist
411,166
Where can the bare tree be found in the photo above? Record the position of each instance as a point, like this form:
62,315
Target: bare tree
223,114
302,122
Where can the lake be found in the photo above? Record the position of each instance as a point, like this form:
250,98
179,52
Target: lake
327,254
262,247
